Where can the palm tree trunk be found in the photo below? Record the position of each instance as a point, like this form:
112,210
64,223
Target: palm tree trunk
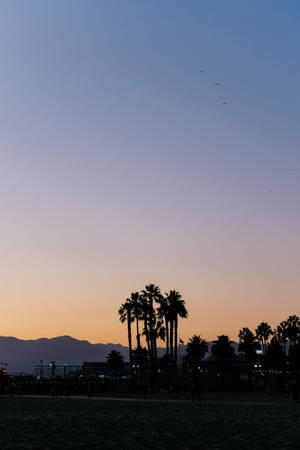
167,336
153,346
138,336
175,340
151,329
175,347
171,337
147,337
129,339
155,351
149,345
152,342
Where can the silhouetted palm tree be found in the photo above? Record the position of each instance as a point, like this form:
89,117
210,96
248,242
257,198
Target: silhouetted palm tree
149,296
136,313
281,333
293,329
288,331
115,360
248,344
140,356
144,317
275,356
222,348
125,313
263,333
176,308
223,351
159,332
163,314
196,349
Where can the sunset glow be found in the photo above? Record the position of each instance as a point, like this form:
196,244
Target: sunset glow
124,163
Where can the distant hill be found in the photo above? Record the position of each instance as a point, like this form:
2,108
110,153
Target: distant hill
22,355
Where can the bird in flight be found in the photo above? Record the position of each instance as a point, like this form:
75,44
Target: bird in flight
217,84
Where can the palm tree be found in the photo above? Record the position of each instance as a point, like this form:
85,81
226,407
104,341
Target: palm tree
159,332
196,349
263,333
248,344
136,313
163,314
144,317
115,360
288,331
149,295
281,333
222,348
293,329
275,355
176,309
140,356
223,351
125,313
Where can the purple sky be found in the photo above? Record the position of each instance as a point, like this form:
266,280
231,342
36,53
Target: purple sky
121,164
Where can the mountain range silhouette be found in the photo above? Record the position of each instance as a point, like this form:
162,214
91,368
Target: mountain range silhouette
22,355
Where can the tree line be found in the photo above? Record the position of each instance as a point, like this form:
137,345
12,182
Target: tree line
277,348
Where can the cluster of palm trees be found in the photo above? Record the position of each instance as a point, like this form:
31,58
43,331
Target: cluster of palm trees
283,340
155,317
276,347
288,331
197,347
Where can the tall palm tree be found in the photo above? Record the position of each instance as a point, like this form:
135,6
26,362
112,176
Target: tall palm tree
263,333
163,314
176,309
150,295
125,313
135,301
144,317
159,332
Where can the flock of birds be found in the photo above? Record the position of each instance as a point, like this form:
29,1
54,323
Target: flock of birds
225,102
217,84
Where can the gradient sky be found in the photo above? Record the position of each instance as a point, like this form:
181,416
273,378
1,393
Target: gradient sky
120,165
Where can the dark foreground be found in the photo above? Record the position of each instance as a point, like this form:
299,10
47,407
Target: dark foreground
27,423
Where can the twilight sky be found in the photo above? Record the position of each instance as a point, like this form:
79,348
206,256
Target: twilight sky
120,164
